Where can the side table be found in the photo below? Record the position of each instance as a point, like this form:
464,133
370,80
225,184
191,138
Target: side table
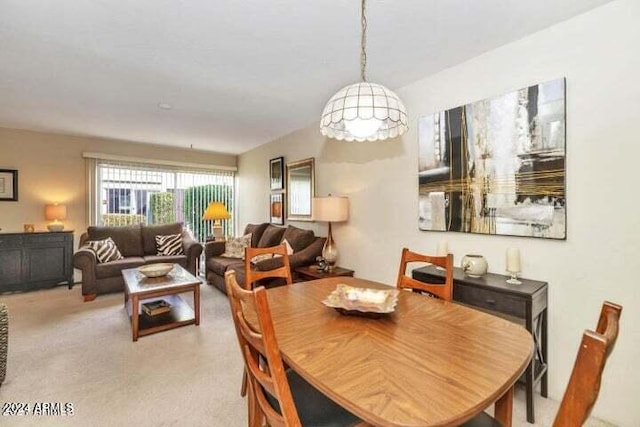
309,272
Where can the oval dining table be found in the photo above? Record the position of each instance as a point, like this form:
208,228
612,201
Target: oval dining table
429,363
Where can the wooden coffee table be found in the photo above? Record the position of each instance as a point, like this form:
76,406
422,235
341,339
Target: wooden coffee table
139,289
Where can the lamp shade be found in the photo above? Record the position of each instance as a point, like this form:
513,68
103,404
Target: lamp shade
55,212
330,209
216,210
364,112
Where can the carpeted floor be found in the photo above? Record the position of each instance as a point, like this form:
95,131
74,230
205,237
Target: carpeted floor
63,350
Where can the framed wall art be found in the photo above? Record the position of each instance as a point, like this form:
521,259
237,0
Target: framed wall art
276,173
300,189
496,166
276,208
8,185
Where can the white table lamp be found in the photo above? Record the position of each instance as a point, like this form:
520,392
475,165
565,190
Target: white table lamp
330,209
55,212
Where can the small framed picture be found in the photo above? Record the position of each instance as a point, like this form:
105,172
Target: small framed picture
8,185
276,208
276,173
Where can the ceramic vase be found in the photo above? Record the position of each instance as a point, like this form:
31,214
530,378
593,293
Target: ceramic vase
474,265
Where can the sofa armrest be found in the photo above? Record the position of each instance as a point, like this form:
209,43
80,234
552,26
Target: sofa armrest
84,238
85,260
308,255
214,248
192,249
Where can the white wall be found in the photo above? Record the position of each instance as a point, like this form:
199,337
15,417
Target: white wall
51,169
598,54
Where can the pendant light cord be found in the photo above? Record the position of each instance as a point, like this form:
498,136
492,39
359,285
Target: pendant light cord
363,42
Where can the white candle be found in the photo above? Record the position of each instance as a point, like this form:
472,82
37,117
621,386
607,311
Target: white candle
513,260
442,248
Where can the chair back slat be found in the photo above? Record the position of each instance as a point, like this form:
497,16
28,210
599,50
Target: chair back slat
263,363
442,291
252,275
584,384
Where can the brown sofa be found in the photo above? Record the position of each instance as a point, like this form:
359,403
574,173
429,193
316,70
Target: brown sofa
137,244
306,247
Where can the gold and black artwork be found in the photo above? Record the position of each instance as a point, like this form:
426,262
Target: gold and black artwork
496,166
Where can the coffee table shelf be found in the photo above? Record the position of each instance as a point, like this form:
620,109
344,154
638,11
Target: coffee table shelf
139,289
181,314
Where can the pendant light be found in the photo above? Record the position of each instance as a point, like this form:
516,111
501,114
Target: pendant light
364,111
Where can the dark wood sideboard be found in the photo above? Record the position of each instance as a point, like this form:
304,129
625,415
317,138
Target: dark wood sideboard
526,303
35,260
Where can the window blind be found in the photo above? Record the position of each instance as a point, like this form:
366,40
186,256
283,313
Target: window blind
142,193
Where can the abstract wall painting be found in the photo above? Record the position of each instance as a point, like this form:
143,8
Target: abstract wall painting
496,166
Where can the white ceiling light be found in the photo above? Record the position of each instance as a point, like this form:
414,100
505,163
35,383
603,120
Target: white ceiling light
364,111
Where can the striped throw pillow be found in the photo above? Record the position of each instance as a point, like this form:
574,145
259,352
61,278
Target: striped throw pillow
170,244
105,250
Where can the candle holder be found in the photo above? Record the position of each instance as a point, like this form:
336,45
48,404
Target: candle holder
442,250
513,265
514,278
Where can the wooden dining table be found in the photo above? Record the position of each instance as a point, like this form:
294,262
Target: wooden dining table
429,363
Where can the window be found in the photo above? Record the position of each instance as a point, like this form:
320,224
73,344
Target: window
132,193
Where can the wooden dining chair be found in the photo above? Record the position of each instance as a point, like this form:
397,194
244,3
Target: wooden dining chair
252,275
442,291
584,384
277,396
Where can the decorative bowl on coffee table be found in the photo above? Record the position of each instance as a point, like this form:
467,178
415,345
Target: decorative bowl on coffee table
156,270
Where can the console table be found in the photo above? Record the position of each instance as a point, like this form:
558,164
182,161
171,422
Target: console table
526,302
35,260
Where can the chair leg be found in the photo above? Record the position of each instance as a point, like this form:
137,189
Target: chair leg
256,418
243,390
504,408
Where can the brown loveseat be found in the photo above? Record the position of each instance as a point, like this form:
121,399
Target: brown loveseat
137,244
306,247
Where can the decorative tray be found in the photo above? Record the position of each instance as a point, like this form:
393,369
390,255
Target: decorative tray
365,302
156,270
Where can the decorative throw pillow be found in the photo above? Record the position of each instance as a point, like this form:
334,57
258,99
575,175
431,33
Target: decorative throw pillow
105,250
261,257
256,259
289,248
170,244
234,247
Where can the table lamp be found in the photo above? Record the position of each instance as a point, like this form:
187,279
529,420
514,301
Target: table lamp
55,212
330,209
216,212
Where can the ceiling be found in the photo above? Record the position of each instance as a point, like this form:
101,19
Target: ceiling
236,74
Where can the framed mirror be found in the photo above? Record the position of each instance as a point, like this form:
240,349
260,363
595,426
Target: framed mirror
300,189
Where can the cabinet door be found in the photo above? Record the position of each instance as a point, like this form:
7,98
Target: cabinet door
45,264
10,268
